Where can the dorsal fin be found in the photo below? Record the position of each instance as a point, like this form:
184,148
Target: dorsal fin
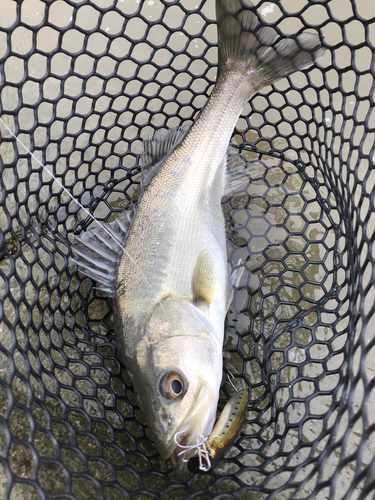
98,253
157,148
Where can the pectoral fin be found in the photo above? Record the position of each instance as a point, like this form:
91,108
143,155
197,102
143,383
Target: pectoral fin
204,280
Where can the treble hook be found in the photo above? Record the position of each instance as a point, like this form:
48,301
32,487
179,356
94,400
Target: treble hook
201,448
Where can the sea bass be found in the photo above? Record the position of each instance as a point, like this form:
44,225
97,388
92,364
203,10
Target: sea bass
166,265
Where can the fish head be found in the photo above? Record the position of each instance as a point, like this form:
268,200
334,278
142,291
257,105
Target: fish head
177,376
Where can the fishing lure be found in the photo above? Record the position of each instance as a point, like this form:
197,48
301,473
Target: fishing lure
223,434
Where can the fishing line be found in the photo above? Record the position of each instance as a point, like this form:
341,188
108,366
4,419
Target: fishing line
83,208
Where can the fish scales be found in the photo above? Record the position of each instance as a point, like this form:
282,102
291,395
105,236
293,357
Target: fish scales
172,231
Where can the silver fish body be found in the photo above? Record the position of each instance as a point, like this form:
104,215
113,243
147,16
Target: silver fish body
178,222
167,269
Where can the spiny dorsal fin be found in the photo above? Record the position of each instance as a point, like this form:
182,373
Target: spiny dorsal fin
157,148
204,280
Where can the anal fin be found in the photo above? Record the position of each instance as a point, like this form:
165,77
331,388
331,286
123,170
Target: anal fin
236,175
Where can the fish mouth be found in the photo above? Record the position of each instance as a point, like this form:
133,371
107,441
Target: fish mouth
194,429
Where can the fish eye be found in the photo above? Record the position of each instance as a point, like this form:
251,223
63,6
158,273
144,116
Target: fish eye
171,385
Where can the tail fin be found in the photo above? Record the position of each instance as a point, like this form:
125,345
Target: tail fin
257,49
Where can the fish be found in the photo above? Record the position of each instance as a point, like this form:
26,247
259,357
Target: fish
165,264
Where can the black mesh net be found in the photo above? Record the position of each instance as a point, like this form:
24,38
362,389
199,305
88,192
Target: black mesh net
82,81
